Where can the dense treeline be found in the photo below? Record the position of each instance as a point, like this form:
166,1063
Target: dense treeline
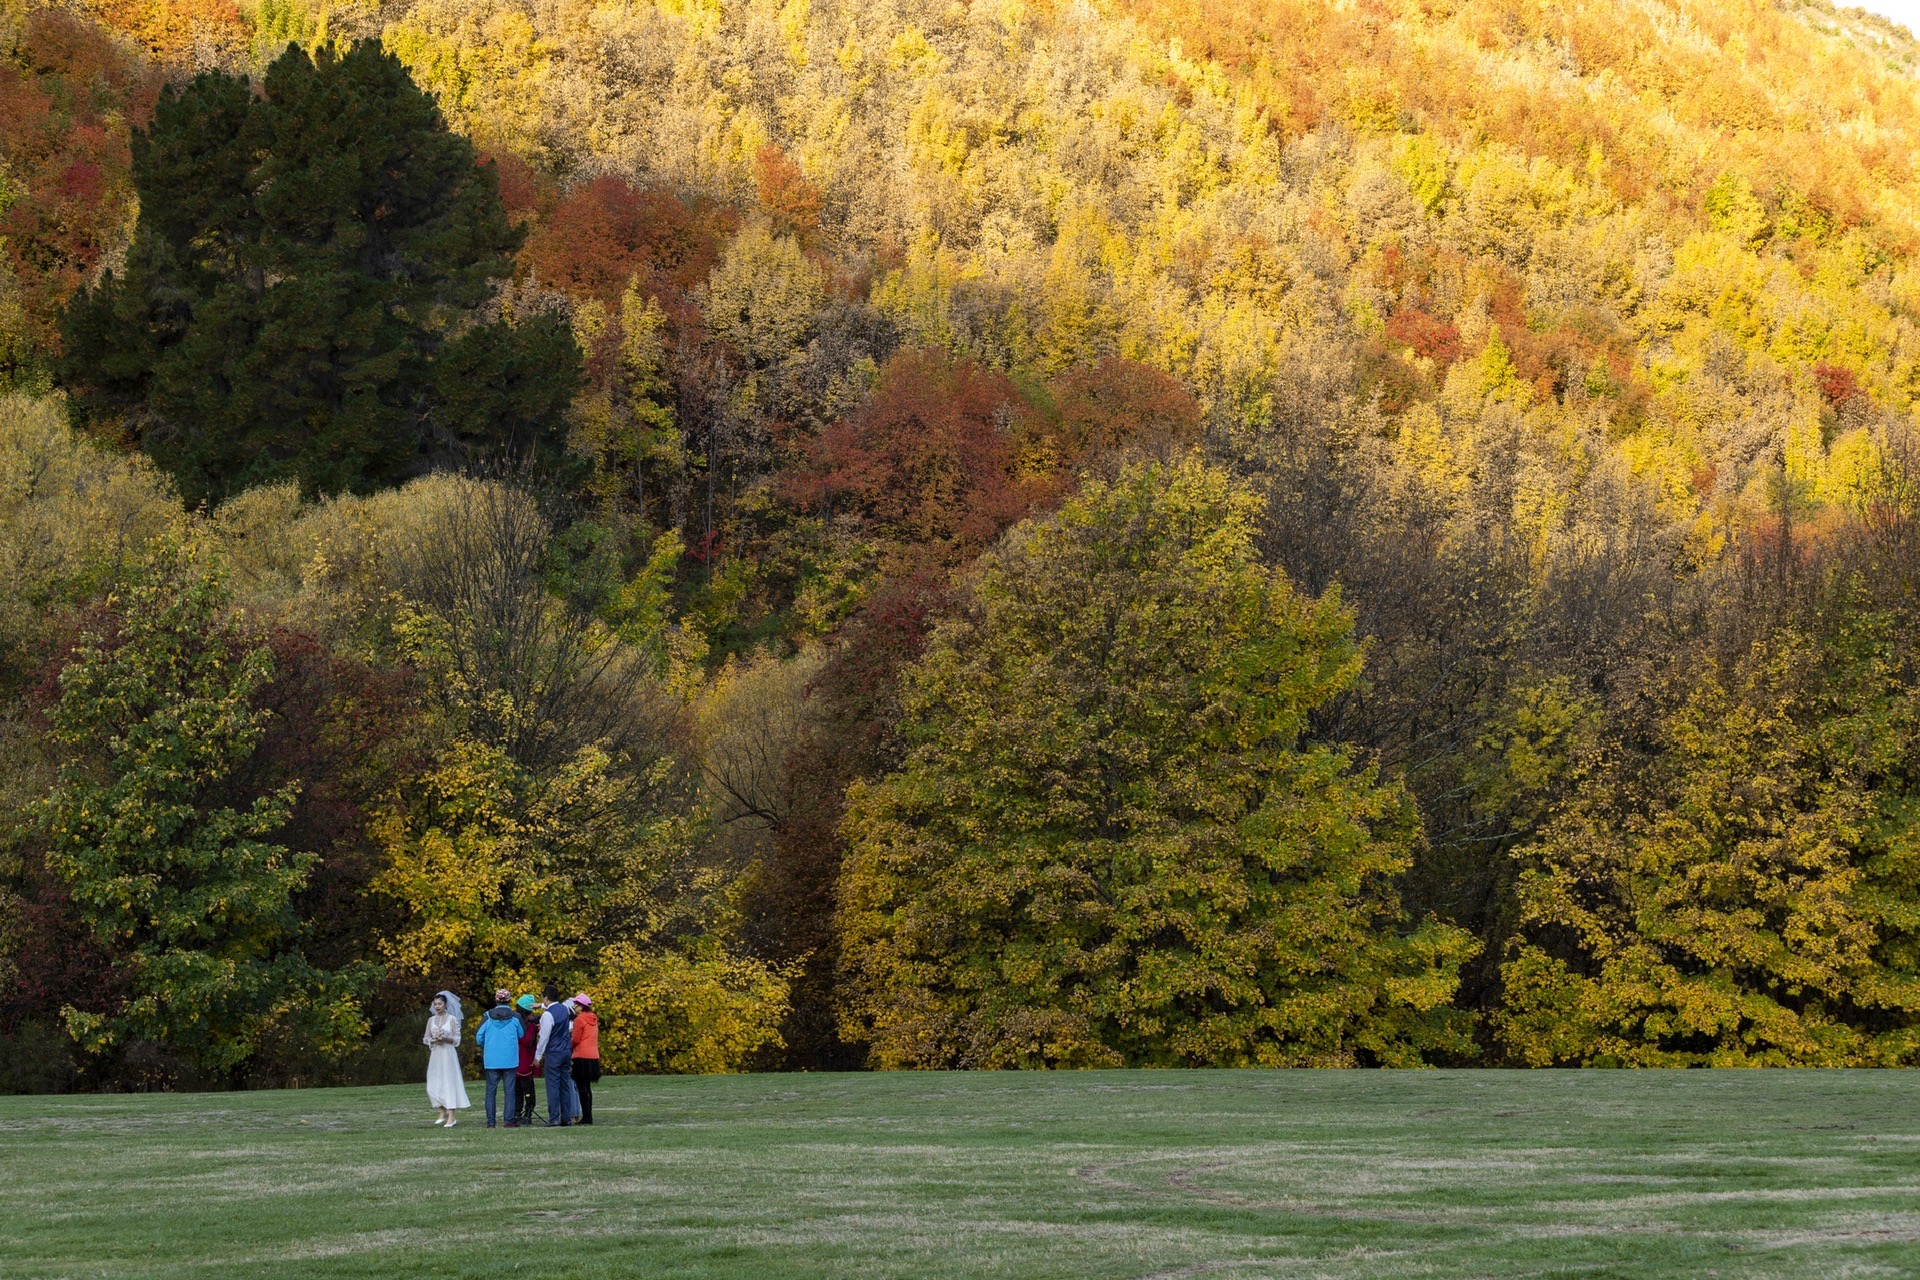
905,535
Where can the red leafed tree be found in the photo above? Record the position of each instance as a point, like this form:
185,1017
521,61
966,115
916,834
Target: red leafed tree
68,90
343,731
604,232
1435,339
928,462
785,194
525,192
1836,382
1118,404
854,734
56,959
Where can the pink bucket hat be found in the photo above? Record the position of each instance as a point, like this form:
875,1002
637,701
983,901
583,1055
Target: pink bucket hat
584,1000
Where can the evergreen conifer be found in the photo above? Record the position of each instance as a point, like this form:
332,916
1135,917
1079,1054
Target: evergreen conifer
306,293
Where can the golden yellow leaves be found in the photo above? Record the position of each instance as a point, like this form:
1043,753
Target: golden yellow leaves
705,1013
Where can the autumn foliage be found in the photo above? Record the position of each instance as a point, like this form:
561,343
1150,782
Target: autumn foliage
785,194
928,461
604,232
1075,525
68,91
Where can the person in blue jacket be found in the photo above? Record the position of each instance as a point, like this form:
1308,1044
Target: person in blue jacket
499,1039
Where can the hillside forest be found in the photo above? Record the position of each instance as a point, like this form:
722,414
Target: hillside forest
935,534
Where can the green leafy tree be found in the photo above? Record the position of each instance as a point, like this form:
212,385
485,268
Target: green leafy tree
306,293
1746,892
624,425
170,870
504,874
1110,844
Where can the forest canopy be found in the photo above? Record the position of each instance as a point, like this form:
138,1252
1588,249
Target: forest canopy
913,535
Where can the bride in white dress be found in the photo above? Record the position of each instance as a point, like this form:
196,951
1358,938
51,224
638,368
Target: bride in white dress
445,1089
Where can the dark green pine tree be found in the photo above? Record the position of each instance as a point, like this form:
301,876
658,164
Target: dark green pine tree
306,293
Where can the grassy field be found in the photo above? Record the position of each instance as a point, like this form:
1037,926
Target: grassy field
1228,1175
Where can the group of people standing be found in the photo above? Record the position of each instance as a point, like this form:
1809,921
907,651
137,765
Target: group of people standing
519,1040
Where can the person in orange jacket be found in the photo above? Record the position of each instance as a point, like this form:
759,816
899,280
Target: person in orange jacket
586,1054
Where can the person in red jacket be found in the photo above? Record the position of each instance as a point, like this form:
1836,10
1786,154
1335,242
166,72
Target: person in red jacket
524,1075
586,1054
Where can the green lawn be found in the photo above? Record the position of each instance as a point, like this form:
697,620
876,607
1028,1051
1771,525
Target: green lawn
1228,1175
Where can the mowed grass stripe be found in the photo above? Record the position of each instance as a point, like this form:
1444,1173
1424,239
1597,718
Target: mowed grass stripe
1102,1174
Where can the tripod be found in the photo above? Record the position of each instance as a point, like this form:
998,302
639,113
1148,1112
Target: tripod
533,1114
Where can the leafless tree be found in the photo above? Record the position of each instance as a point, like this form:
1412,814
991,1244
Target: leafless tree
542,676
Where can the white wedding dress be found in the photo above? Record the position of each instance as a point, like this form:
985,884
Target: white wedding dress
445,1088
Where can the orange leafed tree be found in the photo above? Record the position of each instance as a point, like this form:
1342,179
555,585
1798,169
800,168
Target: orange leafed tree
785,194
929,459
177,32
605,231
67,89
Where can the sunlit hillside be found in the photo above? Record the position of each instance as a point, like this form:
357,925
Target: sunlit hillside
1687,225
1814,108
1496,416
